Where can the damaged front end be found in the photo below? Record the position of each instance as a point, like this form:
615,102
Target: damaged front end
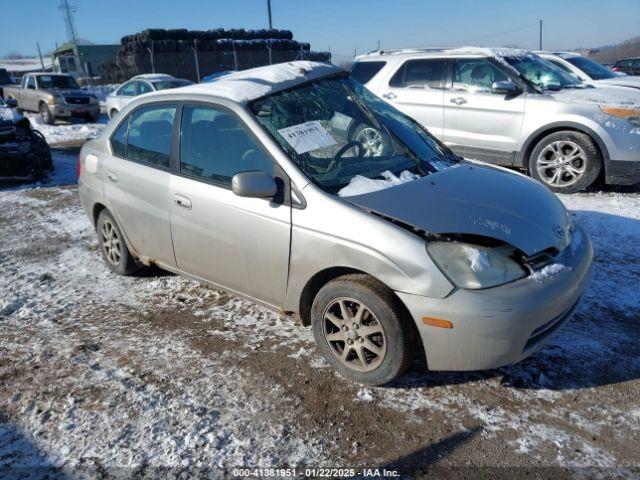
24,152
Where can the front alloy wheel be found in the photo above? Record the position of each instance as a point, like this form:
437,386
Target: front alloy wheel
354,334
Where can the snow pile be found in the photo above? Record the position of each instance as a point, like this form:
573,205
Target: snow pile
257,82
478,258
360,185
101,91
364,395
61,133
548,272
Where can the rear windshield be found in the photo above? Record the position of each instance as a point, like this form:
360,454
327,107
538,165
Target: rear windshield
591,68
364,71
166,84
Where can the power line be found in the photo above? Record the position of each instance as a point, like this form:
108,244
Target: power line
497,34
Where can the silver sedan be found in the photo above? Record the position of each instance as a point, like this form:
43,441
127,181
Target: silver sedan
295,187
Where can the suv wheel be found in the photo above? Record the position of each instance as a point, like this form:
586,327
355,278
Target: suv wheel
45,114
360,329
566,161
113,247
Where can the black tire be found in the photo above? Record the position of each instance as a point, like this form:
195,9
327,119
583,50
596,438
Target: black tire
561,145
382,309
45,114
125,263
364,133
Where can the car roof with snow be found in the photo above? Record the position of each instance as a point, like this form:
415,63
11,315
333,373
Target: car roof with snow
442,51
153,76
247,85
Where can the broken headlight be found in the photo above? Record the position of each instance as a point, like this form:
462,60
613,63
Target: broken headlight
474,266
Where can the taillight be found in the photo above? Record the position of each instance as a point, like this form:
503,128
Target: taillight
615,69
79,166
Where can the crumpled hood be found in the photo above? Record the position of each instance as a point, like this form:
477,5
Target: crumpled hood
476,199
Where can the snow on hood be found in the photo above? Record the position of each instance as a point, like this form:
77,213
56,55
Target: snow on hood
601,95
476,199
628,81
257,82
8,115
360,185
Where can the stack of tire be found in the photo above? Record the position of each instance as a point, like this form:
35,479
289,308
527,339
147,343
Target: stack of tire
174,52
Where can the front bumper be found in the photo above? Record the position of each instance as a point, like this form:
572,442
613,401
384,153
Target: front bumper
622,172
80,110
502,325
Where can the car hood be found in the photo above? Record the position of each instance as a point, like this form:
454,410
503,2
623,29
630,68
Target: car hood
475,199
600,95
628,81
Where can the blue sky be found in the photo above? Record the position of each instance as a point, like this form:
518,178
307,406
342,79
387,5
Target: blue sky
344,26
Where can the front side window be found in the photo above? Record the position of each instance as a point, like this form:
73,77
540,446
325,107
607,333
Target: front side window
542,74
476,75
335,130
128,89
429,73
31,82
149,138
215,145
364,71
591,68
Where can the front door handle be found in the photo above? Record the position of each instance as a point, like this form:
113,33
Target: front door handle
182,202
458,101
389,95
112,177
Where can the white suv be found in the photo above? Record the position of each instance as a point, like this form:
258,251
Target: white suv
512,108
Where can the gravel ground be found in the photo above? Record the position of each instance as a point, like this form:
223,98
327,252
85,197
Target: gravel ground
155,374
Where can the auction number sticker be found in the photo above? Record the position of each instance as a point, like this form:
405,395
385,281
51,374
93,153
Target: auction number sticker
308,136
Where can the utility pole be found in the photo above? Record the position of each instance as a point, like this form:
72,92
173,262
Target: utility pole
40,55
69,23
195,54
540,46
150,50
269,10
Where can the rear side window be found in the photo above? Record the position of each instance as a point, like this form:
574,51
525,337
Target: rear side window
129,89
215,145
364,71
421,73
149,138
144,87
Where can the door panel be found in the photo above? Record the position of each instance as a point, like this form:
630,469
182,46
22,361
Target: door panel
417,89
475,117
238,243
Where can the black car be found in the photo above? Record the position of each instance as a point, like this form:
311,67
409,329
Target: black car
24,152
630,66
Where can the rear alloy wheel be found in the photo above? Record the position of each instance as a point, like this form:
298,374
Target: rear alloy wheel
566,162
360,329
113,247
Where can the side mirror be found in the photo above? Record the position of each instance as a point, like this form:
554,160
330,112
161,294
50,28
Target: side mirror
11,102
505,88
254,184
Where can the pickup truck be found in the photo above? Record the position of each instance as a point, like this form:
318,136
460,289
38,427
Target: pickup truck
53,96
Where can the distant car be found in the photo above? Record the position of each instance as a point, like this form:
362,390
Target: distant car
54,96
513,108
24,152
5,79
215,76
269,183
589,71
139,85
630,66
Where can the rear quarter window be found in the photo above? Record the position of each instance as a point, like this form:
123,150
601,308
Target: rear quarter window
364,71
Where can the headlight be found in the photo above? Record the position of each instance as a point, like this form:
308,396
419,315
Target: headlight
474,267
55,99
632,115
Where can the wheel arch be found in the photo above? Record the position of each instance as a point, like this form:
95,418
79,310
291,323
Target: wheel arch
522,157
95,212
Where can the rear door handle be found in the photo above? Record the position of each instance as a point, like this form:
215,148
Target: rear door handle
182,202
458,100
389,95
112,177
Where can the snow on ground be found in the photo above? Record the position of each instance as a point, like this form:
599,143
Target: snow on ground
63,131
99,371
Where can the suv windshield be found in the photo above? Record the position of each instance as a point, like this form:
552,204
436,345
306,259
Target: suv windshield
57,81
337,132
591,68
544,75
